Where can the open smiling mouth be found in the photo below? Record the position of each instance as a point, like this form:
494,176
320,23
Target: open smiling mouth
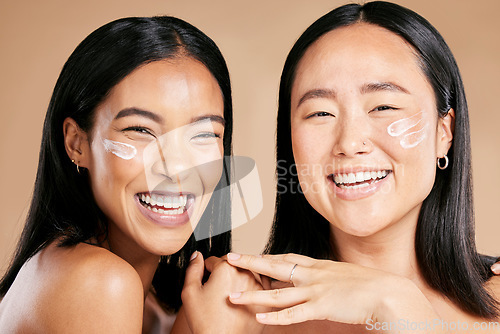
359,179
166,204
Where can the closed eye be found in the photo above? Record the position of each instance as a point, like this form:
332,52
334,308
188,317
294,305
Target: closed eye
139,129
207,135
319,114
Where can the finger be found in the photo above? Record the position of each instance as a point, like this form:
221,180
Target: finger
292,315
211,262
271,298
301,260
280,285
194,272
496,268
258,278
266,282
272,267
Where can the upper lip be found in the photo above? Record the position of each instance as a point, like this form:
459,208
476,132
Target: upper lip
166,193
355,170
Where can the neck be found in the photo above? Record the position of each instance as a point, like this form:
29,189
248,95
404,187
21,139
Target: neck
144,263
391,249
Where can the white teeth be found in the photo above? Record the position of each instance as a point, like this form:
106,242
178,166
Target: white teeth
360,177
171,205
168,202
351,178
355,186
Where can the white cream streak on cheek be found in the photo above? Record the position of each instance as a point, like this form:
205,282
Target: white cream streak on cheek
412,139
401,126
121,150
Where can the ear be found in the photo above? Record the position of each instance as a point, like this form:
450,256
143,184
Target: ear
446,127
76,143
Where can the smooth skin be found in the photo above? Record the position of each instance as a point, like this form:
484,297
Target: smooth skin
206,304
362,78
101,288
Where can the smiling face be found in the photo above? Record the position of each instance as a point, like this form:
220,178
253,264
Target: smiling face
365,130
155,154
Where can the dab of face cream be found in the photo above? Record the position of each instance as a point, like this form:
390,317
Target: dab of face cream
402,126
121,150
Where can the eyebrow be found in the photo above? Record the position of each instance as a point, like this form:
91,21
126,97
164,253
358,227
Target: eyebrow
158,119
139,112
365,89
382,86
317,93
212,118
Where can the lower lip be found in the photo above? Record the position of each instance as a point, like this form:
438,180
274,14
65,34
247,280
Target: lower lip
358,193
166,220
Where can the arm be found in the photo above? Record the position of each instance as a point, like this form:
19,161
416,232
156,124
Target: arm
328,290
206,306
181,325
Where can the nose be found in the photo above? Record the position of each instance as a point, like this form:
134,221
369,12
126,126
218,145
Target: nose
352,137
171,162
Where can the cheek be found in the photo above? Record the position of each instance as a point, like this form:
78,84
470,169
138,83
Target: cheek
207,161
109,172
210,174
311,151
309,145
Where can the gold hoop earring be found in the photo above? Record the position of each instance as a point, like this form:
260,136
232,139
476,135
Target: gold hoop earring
446,162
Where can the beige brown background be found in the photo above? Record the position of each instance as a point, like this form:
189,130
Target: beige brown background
36,37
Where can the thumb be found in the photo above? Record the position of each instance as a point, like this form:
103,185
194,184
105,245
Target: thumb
195,270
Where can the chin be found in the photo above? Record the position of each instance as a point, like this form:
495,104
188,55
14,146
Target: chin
168,245
361,230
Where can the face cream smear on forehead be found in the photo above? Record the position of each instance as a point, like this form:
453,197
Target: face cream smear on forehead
402,126
121,150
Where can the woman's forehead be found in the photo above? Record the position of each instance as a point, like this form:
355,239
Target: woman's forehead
357,55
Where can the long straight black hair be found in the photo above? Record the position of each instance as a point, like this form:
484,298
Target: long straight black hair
63,205
444,241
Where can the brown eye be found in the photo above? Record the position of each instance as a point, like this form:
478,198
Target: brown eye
384,107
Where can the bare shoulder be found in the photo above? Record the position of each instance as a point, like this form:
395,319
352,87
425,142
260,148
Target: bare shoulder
95,289
79,289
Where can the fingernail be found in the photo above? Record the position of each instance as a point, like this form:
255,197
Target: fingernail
233,256
195,254
496,268
235,295
260,315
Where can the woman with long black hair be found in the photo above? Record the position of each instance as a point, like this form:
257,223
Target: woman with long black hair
374,184
131,162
